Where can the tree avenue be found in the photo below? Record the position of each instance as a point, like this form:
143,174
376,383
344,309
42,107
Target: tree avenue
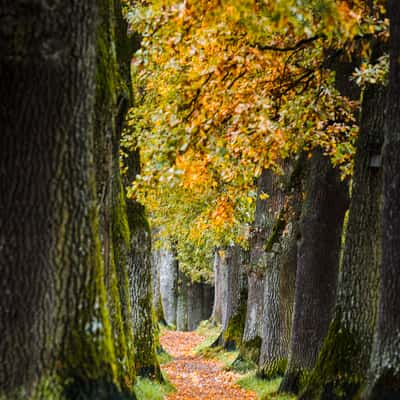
165,162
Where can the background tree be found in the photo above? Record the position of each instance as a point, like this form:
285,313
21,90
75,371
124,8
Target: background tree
384,372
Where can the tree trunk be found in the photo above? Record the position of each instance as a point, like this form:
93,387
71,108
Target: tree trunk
49,250
155,276
317,267
182,303
236,299
141,293
167,265
279,238
344,358
220,285
384,379
112,100
252,335
200,303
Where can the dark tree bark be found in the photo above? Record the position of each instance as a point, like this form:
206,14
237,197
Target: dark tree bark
344,358
317,266
200,303
279,237
112,99
47,208
384,379
62,344
195,302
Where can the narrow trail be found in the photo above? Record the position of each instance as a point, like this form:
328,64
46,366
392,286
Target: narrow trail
196,377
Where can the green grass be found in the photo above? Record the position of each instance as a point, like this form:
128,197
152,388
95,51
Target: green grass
266,390
164,357
145,389
209,329
212,332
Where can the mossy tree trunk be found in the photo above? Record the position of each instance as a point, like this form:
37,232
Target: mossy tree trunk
141,294
112,98
252,334
344,358
317,266
384,379
279,235
50,251
236,299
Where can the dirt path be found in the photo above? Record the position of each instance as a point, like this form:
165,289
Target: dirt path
197,378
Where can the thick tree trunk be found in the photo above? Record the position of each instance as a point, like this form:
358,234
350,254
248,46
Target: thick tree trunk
279,233
384,380
49,252
317,267
344,358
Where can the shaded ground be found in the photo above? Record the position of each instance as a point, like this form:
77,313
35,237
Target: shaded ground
195,377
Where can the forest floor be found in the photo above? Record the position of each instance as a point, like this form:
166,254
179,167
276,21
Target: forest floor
196,377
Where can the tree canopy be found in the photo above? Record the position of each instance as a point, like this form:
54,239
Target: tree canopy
224,90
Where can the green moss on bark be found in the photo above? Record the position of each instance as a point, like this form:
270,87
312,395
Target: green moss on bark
250,349
233,334
273,369
335,375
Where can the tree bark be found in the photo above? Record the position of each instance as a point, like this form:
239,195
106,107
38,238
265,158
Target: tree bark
49,244
344,358
167,265
279,237
141,293
182,303
384,376
220,285
317,267
200,303
236,299
155,276
252,334
112,100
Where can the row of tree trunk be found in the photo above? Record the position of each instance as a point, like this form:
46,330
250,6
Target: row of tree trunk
179,302
321,306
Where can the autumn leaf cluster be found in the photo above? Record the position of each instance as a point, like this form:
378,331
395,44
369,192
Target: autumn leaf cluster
225,89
